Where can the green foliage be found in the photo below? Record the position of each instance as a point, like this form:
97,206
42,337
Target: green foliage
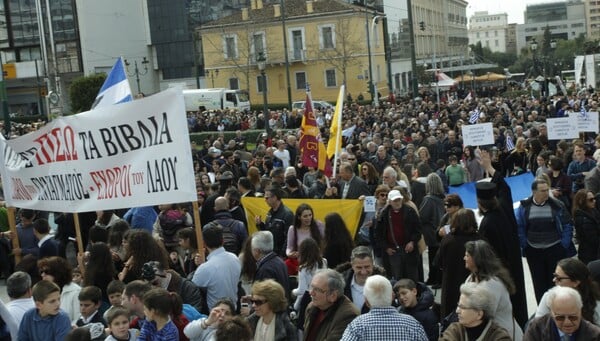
83,91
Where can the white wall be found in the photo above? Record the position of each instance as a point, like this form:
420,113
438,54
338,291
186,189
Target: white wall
112,28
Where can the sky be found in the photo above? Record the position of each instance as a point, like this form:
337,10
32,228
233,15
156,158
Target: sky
514,8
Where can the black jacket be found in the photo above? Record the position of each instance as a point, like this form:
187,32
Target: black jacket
587,232
423,313
271,266
346,270
412,227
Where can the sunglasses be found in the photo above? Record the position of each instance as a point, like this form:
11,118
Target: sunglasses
351,159
383,195
446,204
562,318
258,302
591,199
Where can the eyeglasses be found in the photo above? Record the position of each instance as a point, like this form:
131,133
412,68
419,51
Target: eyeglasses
383,195
44,272
351,159
319,290
258,302
559,278
365,169
394,164
591,199
562,318
447,204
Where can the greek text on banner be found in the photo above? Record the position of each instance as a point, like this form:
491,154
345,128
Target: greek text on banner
132,154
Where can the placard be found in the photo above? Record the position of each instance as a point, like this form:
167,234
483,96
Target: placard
478,134
562,128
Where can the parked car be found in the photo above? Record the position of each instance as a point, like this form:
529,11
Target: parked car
319,105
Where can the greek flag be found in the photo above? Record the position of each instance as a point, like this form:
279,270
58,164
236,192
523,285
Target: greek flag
115,88
509,143
584,113
474,116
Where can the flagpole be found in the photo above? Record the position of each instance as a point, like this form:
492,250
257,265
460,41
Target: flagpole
338,133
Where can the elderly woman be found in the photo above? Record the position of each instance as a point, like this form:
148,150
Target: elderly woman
489,273
270,320
475,317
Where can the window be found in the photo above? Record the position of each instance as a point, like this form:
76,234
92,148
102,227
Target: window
297,44
477,34
234,83
327,37
230,46
330,80
496,43
300,80
259,83
258,44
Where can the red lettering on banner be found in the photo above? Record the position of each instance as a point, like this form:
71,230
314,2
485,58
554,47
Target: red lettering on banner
56,146
113,182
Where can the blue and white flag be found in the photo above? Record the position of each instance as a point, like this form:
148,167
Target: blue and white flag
583,113
115,88
509,143
474,116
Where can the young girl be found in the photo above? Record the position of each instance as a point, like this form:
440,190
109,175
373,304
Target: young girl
310,261
118,324
158,305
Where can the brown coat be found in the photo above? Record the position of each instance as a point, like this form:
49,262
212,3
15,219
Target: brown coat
337,318
492,332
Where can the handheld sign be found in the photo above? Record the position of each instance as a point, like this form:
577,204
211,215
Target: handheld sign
478,134
562,128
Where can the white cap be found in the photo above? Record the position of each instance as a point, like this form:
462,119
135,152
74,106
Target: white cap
394,195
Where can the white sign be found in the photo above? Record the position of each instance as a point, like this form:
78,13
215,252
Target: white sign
126,155
369,204
478,134
562,128
589,122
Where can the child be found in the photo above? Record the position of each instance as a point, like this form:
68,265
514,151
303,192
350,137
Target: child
455,172
77,278
158,326
89,301
418,305
118,324
114,290
46,321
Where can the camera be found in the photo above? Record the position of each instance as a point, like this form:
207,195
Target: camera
148,271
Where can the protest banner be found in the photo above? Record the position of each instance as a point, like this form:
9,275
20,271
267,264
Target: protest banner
588,122
349,209
478,134
132,154
562,128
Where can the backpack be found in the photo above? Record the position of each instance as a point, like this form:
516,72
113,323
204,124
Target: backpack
170,223
230,239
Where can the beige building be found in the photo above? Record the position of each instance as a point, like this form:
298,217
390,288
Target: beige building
592,18
326,46
491,30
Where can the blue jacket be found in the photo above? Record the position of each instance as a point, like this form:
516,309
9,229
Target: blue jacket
141,217
562,218
34,327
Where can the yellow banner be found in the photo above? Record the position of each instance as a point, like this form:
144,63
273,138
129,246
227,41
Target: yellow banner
349,210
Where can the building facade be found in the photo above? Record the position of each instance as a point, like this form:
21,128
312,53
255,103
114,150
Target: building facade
592,18
565,20
323,44
491,30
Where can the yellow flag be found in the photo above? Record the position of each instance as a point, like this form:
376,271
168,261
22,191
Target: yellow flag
335,131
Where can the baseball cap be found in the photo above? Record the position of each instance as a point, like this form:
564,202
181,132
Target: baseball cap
394,195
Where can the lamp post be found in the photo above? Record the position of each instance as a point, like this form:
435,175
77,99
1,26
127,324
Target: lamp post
136,71
375,93
544,59
212,74
261,61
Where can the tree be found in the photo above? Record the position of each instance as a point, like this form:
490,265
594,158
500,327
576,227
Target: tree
83,91
346,49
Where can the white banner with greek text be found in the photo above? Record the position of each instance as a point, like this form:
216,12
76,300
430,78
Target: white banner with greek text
126,155
478,134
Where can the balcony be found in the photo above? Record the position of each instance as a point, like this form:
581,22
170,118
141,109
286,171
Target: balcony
297,55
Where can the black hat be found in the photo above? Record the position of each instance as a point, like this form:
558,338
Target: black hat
485,190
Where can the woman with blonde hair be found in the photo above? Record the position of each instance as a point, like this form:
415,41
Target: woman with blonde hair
270,320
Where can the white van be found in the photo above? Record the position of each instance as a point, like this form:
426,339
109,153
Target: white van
214,99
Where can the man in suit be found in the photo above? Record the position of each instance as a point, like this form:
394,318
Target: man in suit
351,186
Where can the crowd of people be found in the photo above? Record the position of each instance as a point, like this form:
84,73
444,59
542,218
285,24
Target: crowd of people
143,276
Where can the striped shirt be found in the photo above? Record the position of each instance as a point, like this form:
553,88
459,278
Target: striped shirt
384,324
